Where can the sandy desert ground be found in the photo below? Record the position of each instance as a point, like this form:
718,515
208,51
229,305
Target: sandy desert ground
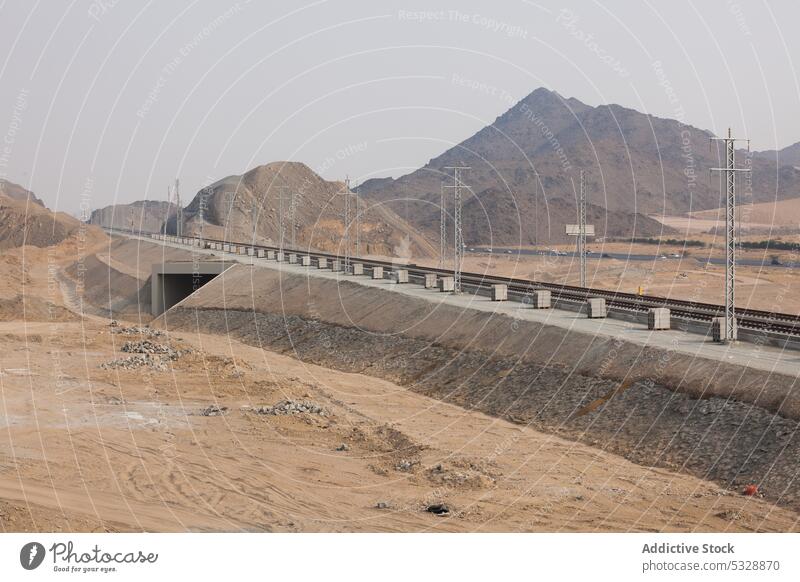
194,446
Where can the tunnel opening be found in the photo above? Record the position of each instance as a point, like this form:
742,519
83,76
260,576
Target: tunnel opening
174,282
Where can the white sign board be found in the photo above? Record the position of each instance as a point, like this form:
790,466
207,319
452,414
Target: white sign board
575,229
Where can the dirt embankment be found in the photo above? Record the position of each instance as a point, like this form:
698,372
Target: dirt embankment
114,281
480,361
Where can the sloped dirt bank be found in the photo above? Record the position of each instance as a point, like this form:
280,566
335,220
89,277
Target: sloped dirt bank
729,442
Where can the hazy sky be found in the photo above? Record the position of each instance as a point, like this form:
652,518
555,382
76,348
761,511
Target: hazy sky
109,100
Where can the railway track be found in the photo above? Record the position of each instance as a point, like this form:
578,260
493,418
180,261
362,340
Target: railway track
751,319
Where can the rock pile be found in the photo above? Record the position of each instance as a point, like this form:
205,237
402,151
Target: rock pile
291,407
145,353
214,410
149,347
143,331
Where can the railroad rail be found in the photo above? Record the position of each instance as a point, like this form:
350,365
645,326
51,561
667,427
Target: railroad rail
751,319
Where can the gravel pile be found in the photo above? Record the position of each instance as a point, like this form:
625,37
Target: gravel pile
145,353
137,361
291,407
142,331
149,347
214,410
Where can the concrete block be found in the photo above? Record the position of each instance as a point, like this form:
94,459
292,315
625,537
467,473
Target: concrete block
250,251
226,248
279,256
430,281
305,260
718,327
336,265
658,318
542,299
358,268
500,292
447,284
377,272
292,258
401,276
261,253
597,307
269,254
241,250
322,263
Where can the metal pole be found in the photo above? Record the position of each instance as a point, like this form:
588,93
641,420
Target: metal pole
179,228
458,232
358,221
281,225
292,210
730,333
730,241
346,224
535,210
582,231
442,226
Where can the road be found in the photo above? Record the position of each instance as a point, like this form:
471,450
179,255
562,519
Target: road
634,257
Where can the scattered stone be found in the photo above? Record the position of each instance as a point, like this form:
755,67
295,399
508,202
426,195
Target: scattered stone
343,447
729,515
382,505
405,465
214,410
291,407
114,323
438,509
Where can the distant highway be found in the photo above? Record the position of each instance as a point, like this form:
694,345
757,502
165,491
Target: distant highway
633,257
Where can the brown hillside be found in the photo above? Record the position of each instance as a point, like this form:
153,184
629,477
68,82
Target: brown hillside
22,223
17,192
230,207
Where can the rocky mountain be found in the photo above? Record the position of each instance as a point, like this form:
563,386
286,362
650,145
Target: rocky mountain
17,192
247,206
788,156
531,156
142,215
22,223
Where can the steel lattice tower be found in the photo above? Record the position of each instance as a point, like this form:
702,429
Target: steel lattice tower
442,227
358,221
730,333
281,221
292,212
582,231
346,225
458,232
